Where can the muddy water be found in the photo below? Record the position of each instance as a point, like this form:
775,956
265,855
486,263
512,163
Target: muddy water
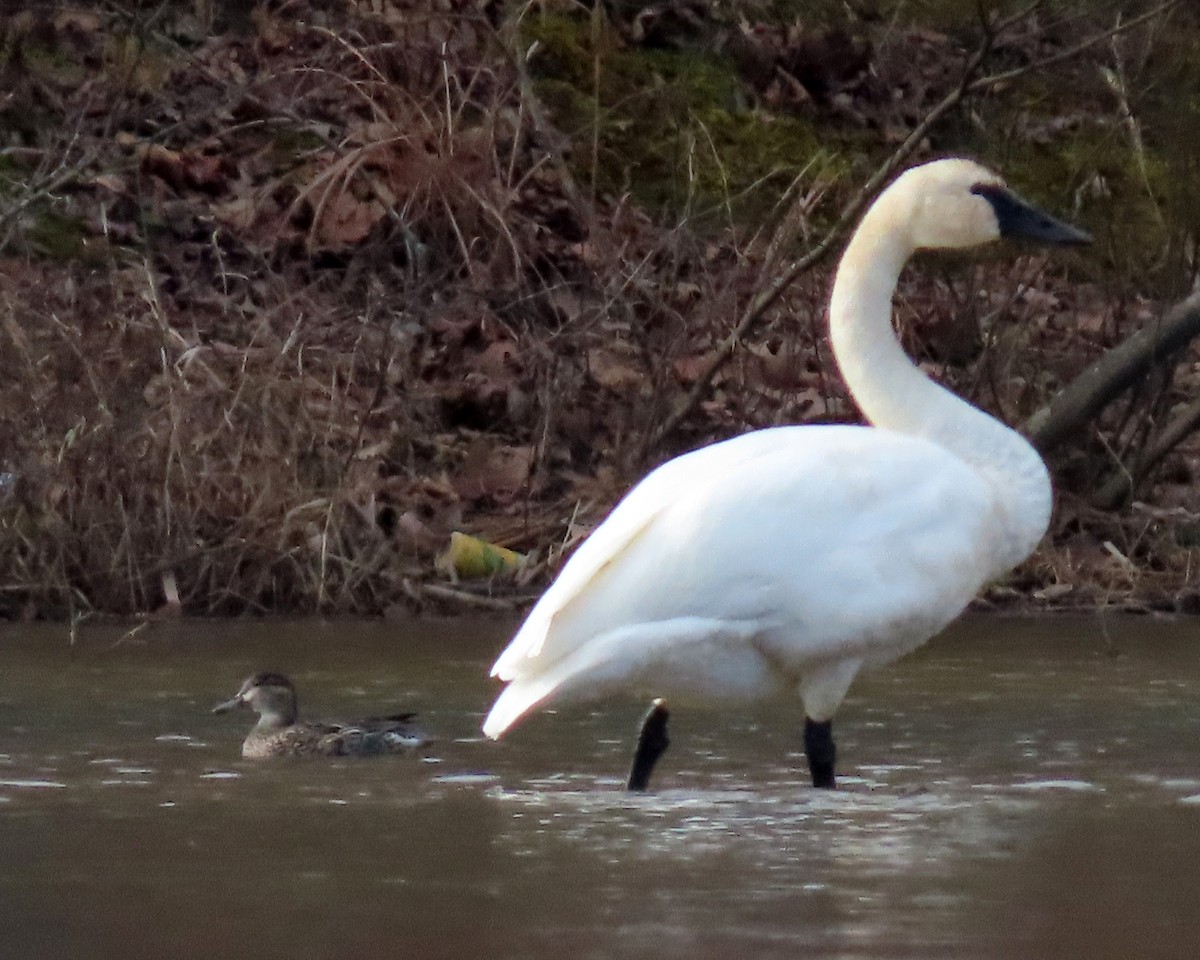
1017,789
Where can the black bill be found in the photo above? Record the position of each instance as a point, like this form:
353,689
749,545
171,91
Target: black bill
1018,218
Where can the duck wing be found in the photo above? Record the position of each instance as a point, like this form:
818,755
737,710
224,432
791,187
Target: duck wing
374,735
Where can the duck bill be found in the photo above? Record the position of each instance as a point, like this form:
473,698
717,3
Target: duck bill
1020,219
227,705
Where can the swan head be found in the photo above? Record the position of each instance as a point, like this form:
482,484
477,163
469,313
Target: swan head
957,203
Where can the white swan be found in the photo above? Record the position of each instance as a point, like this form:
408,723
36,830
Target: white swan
785,560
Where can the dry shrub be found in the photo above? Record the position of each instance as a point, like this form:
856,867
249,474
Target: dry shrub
341,310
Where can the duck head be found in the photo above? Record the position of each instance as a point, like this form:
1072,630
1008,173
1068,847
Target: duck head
270,695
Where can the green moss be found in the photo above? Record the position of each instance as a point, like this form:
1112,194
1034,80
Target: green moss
745,161
138,64
673,128
291,153
1092,174
1062,139
42,231
567,47
951,15
62,237
53,65
679,131
290,144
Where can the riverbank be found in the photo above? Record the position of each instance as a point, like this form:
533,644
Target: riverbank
287,299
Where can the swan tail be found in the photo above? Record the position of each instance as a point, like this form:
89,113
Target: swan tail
517,699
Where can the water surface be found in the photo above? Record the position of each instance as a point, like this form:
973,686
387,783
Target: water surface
1015,789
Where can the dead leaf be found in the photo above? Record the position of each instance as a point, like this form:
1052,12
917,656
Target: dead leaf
411,527
273,35
689,369
172,606
80,20
1054,591
783,369
346,221
497,360
614,371
495,472
183,170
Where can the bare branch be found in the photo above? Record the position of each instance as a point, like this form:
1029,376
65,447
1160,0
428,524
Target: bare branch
1085,396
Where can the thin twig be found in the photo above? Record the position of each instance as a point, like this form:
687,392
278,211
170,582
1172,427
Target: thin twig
1117,80
998,78
442,592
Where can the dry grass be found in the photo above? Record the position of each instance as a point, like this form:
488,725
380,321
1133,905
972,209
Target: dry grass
371,335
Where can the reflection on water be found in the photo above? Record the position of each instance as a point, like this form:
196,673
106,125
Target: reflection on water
1016,789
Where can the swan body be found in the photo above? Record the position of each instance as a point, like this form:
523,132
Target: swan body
703,580
783,561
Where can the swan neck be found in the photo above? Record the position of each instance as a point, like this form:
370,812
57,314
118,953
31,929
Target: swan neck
894,394
884,382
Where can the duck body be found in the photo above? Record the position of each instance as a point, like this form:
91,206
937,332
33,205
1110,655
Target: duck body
366,738
278,731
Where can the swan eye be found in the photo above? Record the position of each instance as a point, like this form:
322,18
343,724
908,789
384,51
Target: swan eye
1018,218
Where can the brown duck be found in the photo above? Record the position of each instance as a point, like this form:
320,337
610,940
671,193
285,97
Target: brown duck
279,733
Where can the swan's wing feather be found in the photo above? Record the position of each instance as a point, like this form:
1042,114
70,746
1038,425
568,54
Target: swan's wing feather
721,651
613,539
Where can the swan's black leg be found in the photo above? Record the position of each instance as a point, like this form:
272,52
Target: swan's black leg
818,746
652,744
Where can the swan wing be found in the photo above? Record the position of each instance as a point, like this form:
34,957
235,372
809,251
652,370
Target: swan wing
629,520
